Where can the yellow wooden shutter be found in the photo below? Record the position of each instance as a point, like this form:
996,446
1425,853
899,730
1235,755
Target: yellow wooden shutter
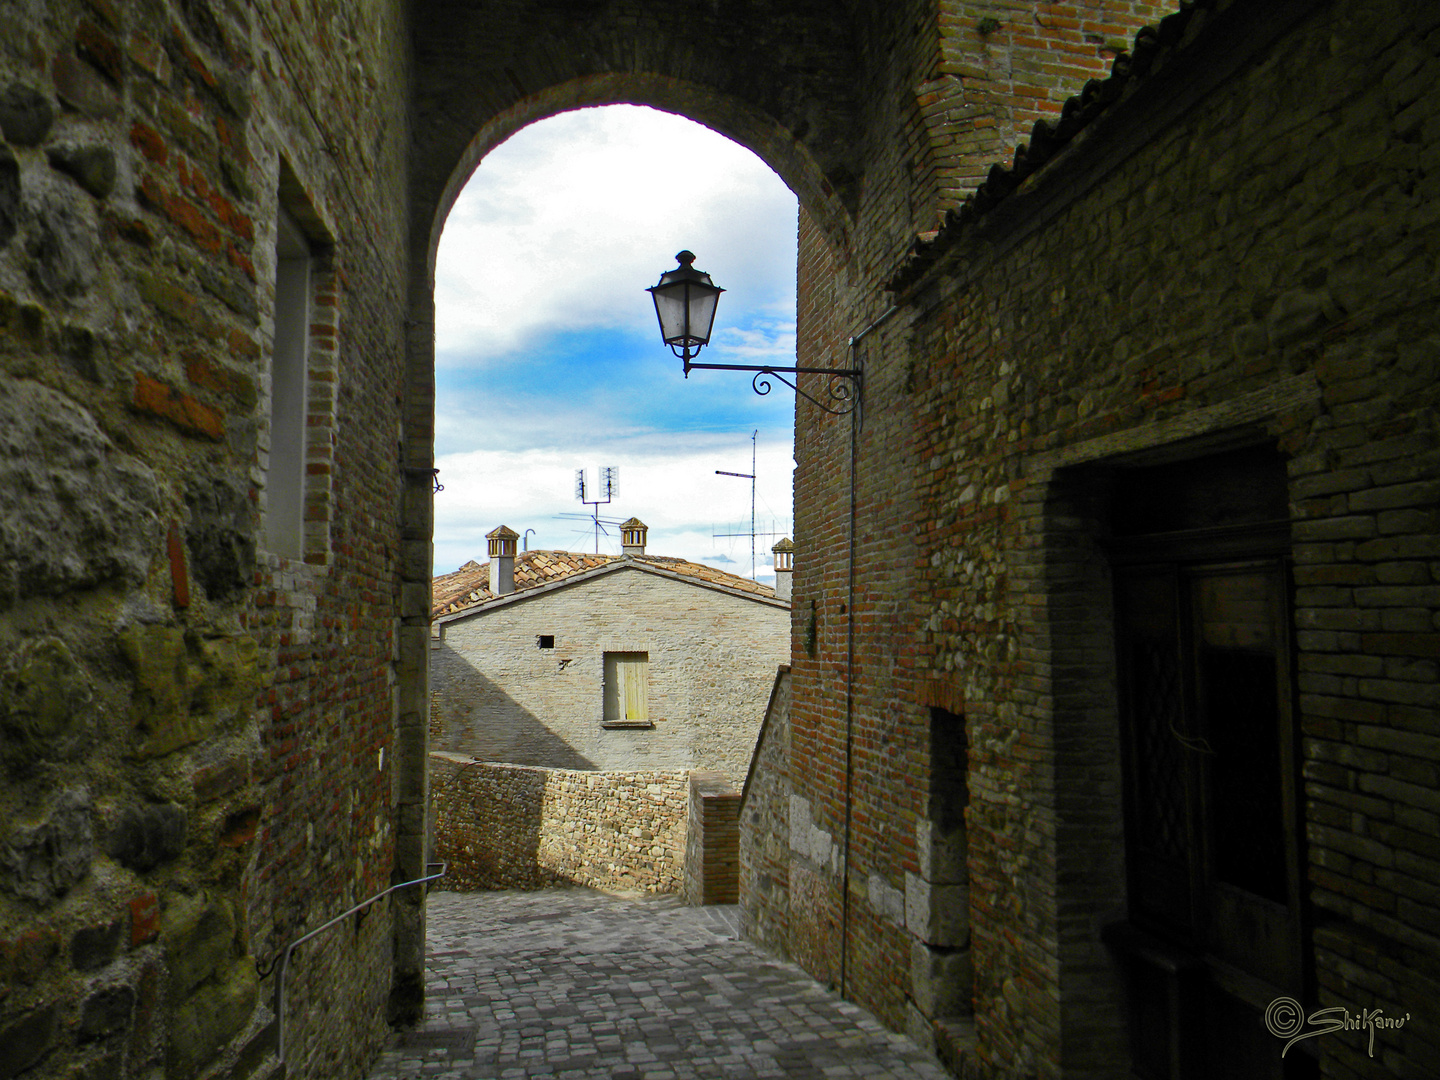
634,675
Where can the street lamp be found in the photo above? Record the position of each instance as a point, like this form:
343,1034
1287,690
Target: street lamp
685,305
685,301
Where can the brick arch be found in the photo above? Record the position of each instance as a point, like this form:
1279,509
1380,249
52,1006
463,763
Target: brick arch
779,79
736,120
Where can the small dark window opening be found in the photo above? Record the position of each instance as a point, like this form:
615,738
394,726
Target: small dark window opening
949,770
545,641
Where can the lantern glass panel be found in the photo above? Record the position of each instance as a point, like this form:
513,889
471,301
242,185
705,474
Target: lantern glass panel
670,310
702,312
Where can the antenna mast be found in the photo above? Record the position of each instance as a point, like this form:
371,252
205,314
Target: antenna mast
751,477
609,486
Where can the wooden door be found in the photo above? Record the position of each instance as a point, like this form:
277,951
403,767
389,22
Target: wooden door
1214,842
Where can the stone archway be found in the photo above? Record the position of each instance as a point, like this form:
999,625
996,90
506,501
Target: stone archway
791,104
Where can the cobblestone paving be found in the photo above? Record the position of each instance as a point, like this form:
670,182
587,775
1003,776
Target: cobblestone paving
574,983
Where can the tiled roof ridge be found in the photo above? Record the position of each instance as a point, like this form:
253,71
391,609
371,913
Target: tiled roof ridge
1153,47
469,586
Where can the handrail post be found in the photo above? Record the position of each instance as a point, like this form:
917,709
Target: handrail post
284,959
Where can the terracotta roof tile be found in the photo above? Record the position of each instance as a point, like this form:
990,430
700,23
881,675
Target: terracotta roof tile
470,585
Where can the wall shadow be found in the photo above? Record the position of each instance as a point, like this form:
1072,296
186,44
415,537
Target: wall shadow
479,719
487,826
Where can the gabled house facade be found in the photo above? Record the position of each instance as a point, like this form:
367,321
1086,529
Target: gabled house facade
603,662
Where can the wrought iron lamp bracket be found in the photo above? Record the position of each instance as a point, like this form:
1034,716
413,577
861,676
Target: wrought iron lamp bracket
843,388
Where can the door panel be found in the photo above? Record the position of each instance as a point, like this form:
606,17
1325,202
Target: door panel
1154,692
1212,841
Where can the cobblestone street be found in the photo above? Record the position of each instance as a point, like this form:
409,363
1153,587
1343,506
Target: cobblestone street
577,983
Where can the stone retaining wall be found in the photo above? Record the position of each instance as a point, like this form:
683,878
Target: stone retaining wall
524,827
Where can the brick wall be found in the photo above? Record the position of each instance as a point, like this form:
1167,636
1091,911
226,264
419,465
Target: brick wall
217,748
868,745
194,728
1194,271
712,843
765,829
711,656
521,827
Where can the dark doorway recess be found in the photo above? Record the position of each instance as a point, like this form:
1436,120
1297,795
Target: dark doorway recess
1216,925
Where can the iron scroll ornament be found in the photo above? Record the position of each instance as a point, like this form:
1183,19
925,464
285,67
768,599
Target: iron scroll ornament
842,389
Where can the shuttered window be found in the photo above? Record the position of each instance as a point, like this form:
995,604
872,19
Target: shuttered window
627,689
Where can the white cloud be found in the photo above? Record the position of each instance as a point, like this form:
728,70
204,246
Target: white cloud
668,483
546,256
567,222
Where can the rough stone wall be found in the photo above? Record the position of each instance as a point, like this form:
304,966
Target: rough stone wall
1254,250
521,827
765,829
179,708
711,658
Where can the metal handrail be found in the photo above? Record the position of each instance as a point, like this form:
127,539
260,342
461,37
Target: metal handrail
279,966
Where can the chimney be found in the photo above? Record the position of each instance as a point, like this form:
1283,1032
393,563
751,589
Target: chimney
632,537
784,567
502,560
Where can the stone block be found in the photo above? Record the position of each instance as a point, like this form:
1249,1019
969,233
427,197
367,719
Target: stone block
185,682
63,248
9,195
92,947
77,512
219,534
46,707
23,960
43,862
415,600
106,1012
234,291
92,166
163,685
25,115
202,1025
937,914
82,87
415,560
199,936
919,1028
886,900
148,835
941,980
27,1040
942,855
100,49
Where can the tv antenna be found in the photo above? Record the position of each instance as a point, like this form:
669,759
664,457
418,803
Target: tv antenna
608,486
751,477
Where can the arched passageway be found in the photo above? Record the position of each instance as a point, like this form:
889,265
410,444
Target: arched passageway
782,85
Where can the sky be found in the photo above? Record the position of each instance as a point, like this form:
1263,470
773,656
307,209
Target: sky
548,356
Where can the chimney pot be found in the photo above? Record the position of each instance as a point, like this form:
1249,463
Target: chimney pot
501,543
632,537
784,552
